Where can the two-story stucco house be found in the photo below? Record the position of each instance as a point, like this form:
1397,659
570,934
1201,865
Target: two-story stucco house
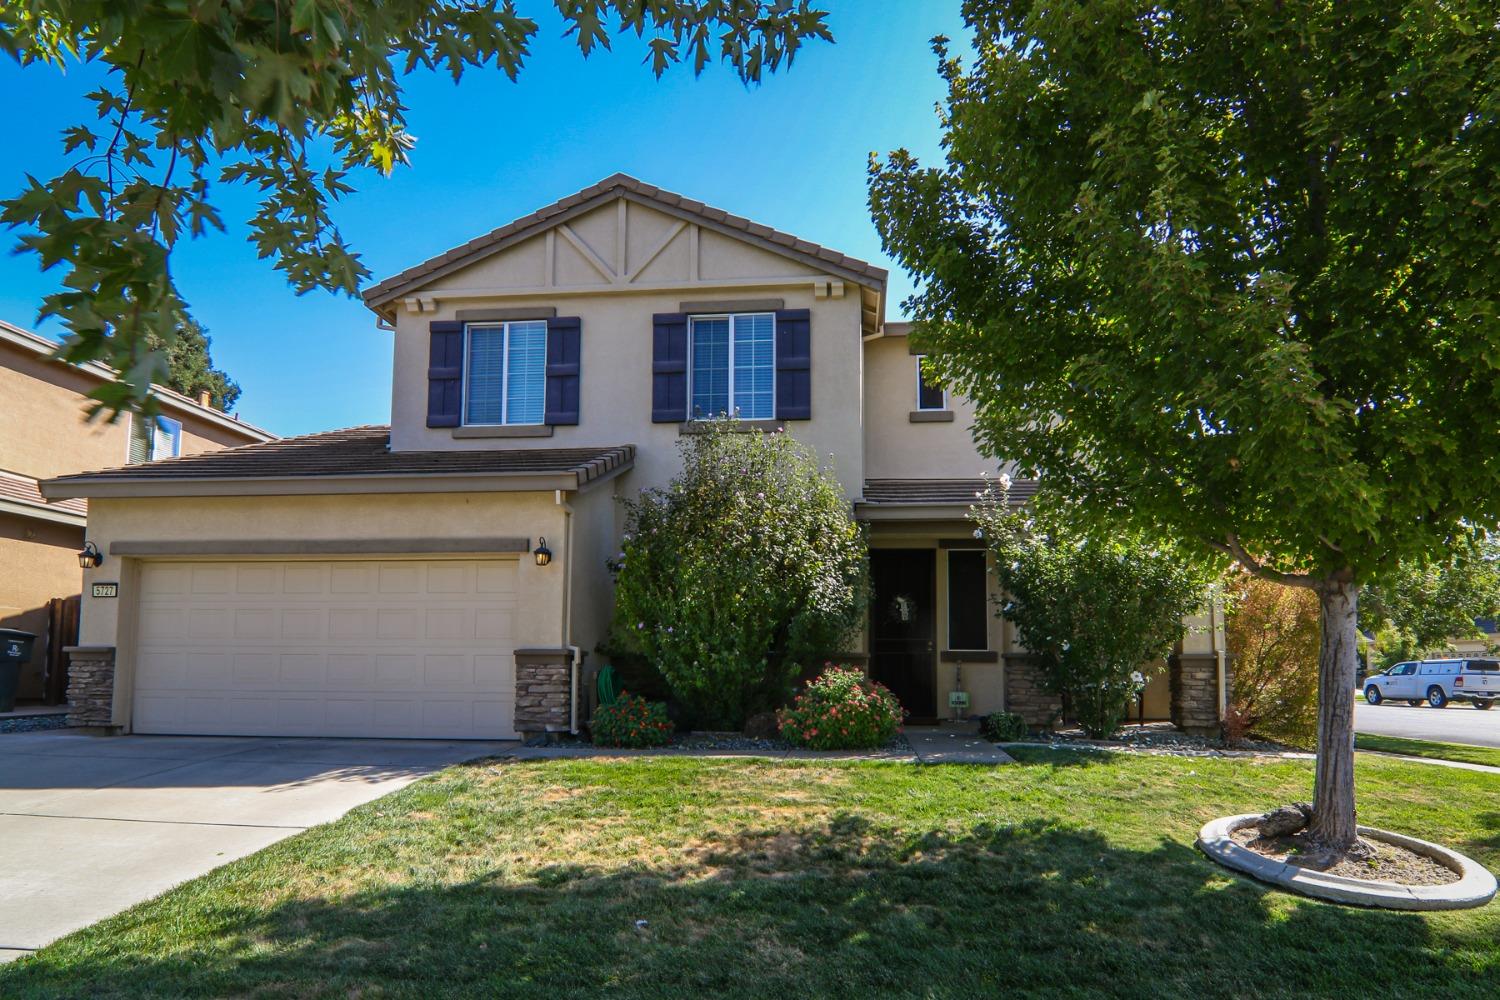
444,576
44,432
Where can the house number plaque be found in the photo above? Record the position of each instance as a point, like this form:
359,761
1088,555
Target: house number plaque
106,590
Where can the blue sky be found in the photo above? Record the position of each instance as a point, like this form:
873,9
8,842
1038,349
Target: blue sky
790,153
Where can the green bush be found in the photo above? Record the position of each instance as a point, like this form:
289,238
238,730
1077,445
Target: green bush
842,709
631,721
1093,607
1004,727
746,566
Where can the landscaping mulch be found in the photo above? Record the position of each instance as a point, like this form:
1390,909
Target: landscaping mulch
1162,738
33,723
1389,863
711,742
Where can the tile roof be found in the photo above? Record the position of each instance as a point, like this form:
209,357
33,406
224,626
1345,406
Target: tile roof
605,190
21,489
362,451
930,492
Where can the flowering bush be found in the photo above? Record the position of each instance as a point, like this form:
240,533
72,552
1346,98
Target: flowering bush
1091,606
747,566
631,722
842,709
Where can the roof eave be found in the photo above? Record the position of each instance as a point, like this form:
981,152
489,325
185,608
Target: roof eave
37,512
572,480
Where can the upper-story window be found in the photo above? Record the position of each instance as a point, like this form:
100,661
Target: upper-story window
150,441
930,395
732,366
505,375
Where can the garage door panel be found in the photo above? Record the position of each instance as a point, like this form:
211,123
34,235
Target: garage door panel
304,624
351,578
210,580
304,579
371,649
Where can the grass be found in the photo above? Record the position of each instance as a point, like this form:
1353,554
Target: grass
1065,875
1429,748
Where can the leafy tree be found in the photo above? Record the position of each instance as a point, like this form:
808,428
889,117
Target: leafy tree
190,367
1429,604
286,97
746,570
1092,608
1228,270
1271,633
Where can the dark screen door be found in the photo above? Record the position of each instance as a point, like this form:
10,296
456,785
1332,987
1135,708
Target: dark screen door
903,634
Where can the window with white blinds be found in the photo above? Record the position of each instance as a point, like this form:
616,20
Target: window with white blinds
732,366
505,373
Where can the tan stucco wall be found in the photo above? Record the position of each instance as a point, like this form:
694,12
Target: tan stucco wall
38,561
597,525
896,448
615,368
44,430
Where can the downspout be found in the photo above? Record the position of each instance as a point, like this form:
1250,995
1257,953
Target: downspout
574,653
1216,618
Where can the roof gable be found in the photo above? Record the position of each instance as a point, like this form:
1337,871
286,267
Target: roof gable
591,248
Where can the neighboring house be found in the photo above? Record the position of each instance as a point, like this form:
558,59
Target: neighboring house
44,432
445,576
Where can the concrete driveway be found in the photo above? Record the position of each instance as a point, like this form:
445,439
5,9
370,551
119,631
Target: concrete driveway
1458,723
92,825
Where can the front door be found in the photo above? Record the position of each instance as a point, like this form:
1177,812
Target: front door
903,647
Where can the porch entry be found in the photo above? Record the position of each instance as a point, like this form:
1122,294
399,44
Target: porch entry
903,628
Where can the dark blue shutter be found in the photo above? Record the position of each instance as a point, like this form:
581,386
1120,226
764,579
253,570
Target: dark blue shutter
445,373
669,388
793,364
563,350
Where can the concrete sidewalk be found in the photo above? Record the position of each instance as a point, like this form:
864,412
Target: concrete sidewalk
92,825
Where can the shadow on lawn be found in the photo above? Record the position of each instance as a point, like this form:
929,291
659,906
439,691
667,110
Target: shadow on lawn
841,909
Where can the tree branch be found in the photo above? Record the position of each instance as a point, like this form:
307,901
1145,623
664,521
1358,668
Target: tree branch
1231,547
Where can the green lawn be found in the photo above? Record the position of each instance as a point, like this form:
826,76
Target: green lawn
1065,875
1429,748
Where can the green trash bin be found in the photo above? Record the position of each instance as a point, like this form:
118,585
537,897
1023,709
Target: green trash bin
15,651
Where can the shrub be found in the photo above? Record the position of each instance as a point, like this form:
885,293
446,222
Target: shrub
746,566
1004,727
1271,633
1092,606
842,709
631,721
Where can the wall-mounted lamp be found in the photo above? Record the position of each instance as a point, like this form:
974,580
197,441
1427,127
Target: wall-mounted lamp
90,556
542,553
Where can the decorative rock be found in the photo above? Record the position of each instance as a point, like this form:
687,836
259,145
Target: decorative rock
1284,821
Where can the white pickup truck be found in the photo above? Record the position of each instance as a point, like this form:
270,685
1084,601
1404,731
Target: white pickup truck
1437,682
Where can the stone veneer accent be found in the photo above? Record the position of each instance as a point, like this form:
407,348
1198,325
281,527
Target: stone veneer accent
1194,681
542,690
91,685
1024,694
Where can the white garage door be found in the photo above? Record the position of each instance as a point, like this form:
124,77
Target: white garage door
408,648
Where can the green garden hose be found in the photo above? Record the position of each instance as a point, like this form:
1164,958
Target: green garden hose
607,691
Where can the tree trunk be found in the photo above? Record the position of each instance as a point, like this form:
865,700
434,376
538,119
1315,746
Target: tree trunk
1333,822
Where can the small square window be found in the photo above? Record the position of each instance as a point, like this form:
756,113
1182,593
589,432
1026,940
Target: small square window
732,366
930,395
153,439
505,373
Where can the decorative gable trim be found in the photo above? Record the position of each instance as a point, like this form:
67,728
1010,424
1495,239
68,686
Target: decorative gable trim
692,216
